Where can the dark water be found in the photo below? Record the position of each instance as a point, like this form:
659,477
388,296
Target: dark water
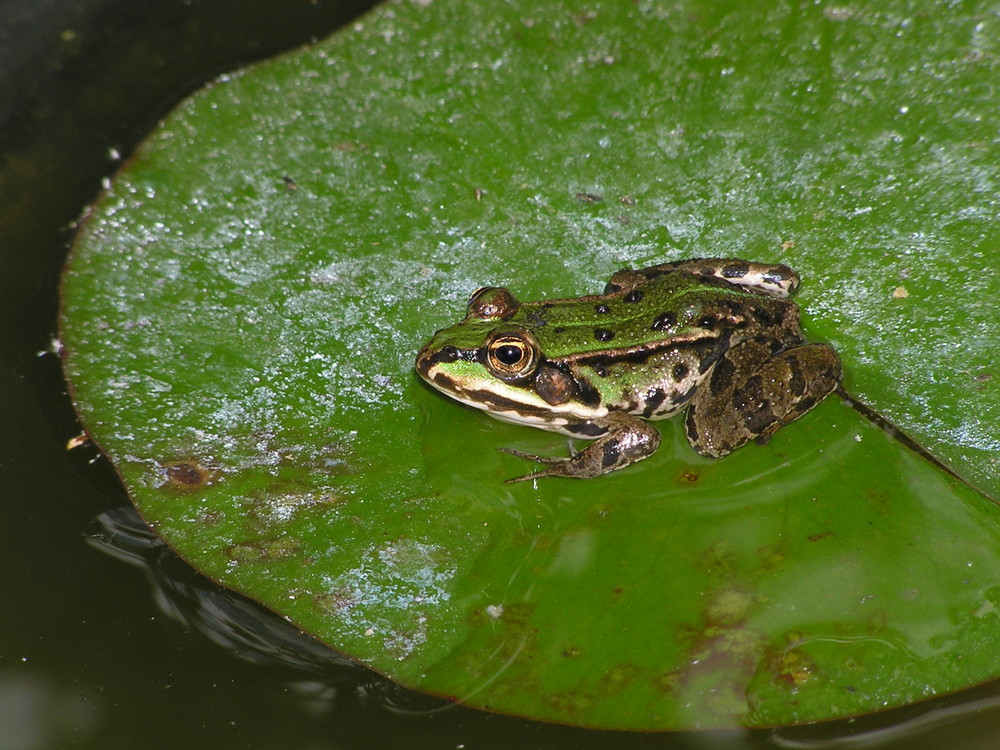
107,640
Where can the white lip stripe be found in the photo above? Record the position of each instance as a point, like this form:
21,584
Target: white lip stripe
552,419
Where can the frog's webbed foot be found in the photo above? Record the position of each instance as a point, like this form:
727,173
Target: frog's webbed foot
753,401
630,440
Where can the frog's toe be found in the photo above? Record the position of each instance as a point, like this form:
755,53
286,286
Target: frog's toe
532,457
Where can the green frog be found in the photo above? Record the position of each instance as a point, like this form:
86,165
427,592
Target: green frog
716,336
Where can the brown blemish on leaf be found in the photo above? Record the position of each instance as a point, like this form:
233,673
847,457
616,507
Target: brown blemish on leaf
267,550
618,678
820,535
668,682
793,667
728,606
188,474
570,702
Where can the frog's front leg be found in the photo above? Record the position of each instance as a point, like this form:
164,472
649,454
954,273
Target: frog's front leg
629,439
752,394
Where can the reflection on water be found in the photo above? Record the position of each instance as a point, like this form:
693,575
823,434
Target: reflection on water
243,627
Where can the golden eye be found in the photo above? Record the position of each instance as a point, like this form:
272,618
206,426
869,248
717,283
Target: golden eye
511,355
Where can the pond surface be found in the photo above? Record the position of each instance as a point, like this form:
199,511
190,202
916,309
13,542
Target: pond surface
108,640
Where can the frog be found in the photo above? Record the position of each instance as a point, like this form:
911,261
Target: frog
719,338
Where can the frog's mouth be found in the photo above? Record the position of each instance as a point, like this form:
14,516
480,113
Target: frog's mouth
508,402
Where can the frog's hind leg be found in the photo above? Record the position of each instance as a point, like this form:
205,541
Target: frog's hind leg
751,394
771,279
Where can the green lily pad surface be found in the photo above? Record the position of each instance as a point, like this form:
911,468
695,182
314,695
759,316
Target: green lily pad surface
243,306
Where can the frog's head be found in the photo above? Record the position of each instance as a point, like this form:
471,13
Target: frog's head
491,363
484,348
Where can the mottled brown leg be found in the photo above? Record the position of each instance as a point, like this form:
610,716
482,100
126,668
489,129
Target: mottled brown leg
750,395
629,439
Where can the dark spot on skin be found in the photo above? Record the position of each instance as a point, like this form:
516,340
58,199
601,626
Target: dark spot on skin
447,354
634,296
761,419
722,376
796,381
708,351
610,288
535,319
804,405
586,429
775,277
691,429
775,346
654,398
763,316
735,270
603,334
602,309
589,395
680,372
686,396
664,321
589,198
756,410
558,329
752,391
612,452
601,362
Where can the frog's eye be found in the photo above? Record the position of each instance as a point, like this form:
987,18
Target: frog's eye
492,303
511,355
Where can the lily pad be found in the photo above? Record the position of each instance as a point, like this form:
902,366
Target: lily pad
243,305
